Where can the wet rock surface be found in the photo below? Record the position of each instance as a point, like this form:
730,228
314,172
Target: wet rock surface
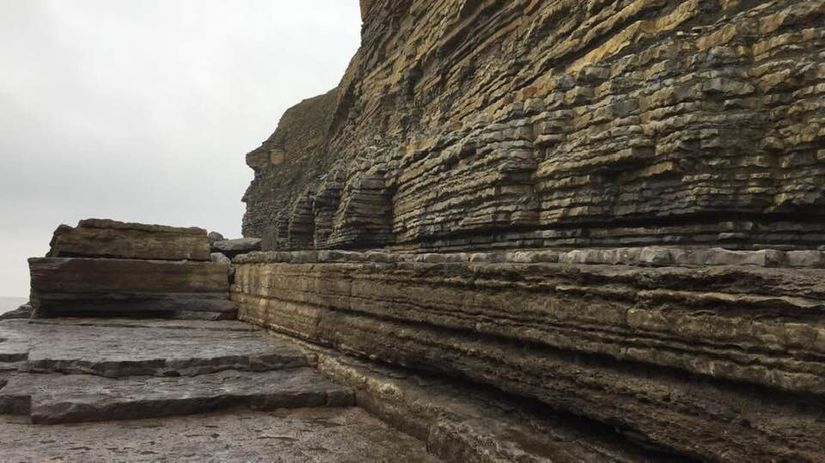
98,370
287,436
277,406
152,348
61,398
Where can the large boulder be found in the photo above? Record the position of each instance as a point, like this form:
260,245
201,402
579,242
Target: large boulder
120,240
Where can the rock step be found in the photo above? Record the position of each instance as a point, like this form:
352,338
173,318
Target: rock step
58,398
461,422
142,348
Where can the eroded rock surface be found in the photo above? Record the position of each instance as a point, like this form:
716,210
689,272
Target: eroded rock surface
67,370
108,268
278,407
469,124
129,287
119,240
716,362
153,348
329,435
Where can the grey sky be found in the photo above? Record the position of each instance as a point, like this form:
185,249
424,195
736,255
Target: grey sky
142,110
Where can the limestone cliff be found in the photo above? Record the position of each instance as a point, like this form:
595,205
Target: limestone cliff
662,160
475,123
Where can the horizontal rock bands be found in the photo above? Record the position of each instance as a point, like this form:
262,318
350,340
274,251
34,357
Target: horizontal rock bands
618,344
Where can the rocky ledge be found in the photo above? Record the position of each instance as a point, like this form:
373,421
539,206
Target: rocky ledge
87,370
715,362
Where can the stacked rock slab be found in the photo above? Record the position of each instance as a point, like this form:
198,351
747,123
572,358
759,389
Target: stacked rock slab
109,268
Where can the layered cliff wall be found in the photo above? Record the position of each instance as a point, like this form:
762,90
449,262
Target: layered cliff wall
716,357
465,124
611,210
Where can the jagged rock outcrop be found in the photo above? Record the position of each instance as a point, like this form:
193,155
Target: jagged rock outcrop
468,124
109,268
284,165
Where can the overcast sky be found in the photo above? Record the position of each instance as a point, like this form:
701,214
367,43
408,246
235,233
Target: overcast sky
143,110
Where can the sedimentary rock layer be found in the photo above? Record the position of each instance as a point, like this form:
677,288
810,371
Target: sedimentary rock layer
470,124
714,362
111,239
83,286
59,371
60,398
461,422
117,349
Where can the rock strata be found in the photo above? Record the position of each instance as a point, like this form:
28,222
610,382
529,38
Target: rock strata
108,268
715,362
111,239
612,209
61,371
462,125
129,287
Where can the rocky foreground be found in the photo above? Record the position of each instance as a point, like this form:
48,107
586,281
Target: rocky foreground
122,390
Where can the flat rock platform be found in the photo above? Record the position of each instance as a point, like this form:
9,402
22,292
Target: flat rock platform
176,390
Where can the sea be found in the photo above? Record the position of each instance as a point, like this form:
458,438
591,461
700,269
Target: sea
7,304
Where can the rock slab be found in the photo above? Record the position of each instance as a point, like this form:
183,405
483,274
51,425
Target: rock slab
75,286
232,248
112,239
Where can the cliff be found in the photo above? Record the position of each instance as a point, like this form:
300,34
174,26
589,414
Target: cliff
470,124
610,212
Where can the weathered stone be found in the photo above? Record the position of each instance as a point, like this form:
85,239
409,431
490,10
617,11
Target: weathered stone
308,435
82,286
643,123
220,258
460,423
232,248
24,311
59,398
576,338
112,239
116,349
214,236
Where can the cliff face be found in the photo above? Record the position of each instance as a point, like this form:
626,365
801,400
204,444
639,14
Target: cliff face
630,144
476,123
